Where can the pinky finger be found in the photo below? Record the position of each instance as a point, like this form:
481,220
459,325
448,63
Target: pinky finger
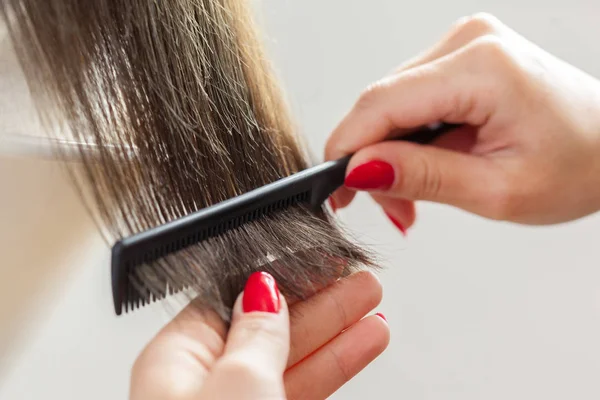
401,212
334,364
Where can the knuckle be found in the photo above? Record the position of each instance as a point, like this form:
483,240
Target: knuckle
344,371
370,96
486,20
491,54
428,182
495,67
260,328
476,24
489,48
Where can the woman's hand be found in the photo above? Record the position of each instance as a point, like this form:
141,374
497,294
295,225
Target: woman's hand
191,358
530,151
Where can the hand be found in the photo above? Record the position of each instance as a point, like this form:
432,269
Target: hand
530,148
194,358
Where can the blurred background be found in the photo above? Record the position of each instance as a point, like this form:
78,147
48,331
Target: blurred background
477,309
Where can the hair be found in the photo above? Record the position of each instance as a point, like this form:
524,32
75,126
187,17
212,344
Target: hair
182,107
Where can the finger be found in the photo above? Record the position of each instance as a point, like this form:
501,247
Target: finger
322,317
180,356
462,87
462,33
401,212
458,88
334,364
257,346
259,336
429,173
462,139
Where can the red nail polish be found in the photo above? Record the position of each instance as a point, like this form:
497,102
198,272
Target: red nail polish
261,294
380,315
332,204
372,175
397,224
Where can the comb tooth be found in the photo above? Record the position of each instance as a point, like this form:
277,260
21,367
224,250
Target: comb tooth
126,299
137,295
132,297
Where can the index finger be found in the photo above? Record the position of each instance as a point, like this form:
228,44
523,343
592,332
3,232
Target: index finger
439,91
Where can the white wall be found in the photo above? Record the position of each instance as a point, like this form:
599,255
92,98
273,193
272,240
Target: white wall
478,310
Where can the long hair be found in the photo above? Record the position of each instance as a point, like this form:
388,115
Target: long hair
182,107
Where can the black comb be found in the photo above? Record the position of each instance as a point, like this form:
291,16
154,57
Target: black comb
311,186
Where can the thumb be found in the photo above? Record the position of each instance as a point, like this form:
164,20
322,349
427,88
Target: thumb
416,172
257,346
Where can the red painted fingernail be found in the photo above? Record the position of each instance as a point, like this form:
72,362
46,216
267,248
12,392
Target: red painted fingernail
372,175
380,315
332,204
397,224
261,294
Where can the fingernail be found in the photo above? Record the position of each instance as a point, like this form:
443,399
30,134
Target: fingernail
261,294
397,224
380,315
332,204
372,175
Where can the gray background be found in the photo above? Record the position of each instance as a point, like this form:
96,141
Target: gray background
477,309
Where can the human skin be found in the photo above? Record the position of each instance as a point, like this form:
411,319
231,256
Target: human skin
528,152
330,339
529,148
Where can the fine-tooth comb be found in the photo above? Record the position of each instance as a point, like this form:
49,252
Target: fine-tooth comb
311,186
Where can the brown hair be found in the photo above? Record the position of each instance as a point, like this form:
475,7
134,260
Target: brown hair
182,105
